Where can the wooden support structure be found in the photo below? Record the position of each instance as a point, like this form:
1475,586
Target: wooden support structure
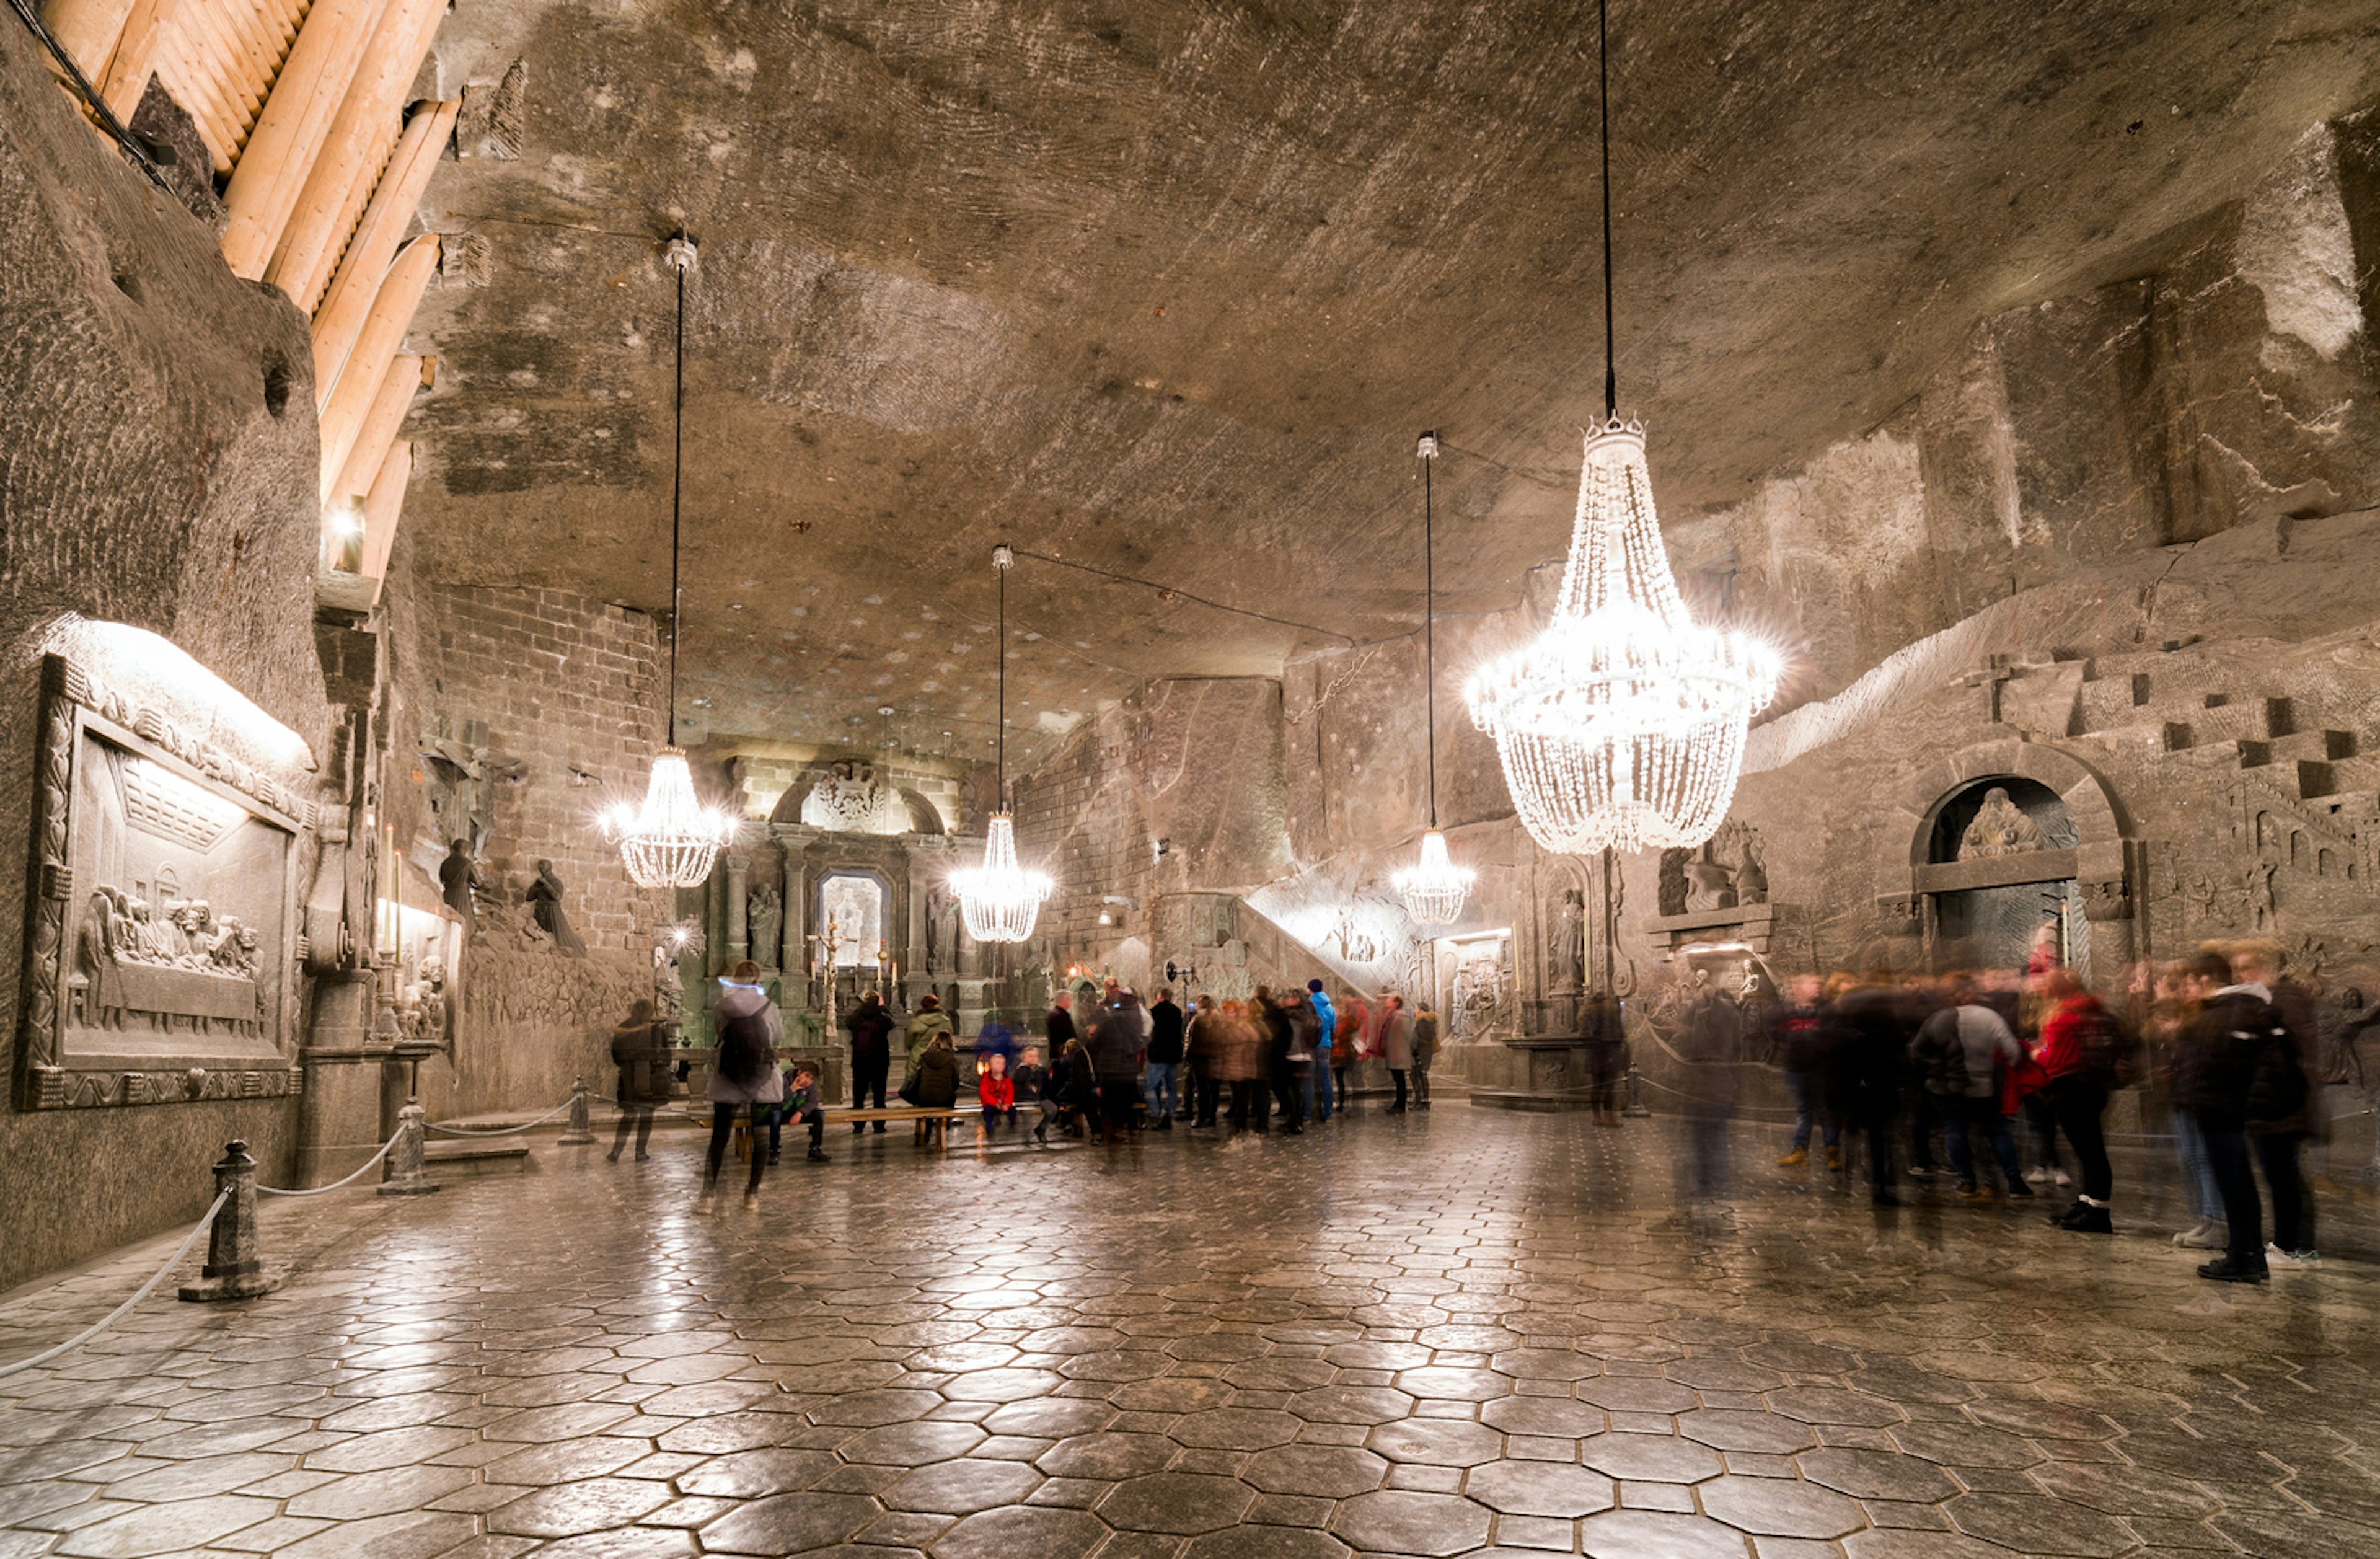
361,132
273,166
383,415
88,30
383,505
383,331
146,29
340,320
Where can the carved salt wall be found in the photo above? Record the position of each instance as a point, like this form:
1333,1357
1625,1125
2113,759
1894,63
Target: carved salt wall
173,489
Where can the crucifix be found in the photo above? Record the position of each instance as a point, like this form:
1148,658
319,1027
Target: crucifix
828,941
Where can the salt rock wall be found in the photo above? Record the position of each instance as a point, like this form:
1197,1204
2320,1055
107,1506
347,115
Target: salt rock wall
562,693
157,468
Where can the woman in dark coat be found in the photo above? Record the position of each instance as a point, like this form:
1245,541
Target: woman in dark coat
938,1082
644,1078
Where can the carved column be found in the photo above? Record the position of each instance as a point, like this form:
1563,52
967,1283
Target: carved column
796,963
739,940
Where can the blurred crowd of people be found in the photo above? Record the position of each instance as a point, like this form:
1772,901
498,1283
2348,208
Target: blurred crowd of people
1278,1056
2003,1065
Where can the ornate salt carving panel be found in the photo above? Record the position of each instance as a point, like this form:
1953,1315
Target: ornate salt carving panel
162,938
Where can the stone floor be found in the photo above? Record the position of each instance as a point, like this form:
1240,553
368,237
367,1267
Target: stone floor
1424,1335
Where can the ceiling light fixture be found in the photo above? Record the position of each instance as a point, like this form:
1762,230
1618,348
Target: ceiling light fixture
1000,900
673,840
1434,890
1622,727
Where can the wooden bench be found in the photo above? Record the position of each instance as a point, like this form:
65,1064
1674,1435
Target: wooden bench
938,1115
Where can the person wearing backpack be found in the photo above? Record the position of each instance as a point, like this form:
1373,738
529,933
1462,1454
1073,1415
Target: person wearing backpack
1960,1051
2081,1054
2280,1102
744,1075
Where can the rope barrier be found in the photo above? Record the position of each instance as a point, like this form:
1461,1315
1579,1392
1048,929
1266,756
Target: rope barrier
1738,1109
317,1190
502,1130
119,1312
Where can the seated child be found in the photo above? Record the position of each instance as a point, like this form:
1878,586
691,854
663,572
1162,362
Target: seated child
801,1104
998,1091
1032,1084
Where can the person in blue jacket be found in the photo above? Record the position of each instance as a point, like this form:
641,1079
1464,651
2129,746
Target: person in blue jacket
1318,1100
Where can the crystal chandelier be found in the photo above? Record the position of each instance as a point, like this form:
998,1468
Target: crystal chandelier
1622,727
671,840
1433,890
999,901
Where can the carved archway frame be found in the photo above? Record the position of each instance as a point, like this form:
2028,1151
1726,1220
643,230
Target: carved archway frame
2108,851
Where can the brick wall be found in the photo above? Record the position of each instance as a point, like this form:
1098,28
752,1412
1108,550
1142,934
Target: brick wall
568,688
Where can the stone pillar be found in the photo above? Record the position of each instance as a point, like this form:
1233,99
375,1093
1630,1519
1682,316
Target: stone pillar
404,1173
339,1113
739,936
796,963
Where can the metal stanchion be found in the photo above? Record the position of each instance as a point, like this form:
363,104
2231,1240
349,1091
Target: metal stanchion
234,1267
404,1175
1635,1093
581,1130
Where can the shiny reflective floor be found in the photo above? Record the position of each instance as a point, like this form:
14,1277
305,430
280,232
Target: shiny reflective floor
1428,1335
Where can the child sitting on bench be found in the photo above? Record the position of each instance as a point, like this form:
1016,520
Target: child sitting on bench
802,1105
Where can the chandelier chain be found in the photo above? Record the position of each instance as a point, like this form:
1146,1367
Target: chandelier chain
1603,105
677,486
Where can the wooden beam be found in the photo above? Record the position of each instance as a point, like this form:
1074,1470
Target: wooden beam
340,318
137,52
376,345
280,153
383,416
88,30
383,505
366,123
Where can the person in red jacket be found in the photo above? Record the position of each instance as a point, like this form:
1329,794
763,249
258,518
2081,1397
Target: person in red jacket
2075,1054
997,1089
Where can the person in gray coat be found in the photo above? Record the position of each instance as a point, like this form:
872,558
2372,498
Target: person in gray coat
1397,1047
744,1075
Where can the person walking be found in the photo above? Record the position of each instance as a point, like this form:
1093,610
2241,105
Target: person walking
1603,1032
1397,1046
1320,1102
1205,1045
1797,1038
644,1078
1425,1051
1165,1052
744,1076
1867,1058
2280,1106
1117,1046
2078,1057
1961,1052
871,1054
1346,1046
1241,1066
2218,1063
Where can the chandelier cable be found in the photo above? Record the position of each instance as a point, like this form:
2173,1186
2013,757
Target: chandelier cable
1603,104
1001,731
1429,623
677,484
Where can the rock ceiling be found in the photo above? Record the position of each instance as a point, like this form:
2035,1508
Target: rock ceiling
1167,287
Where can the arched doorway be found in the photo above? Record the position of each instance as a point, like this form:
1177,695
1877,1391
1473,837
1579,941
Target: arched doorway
2027,835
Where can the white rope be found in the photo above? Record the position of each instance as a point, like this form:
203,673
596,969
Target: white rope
505,1130
317,1190
79,1338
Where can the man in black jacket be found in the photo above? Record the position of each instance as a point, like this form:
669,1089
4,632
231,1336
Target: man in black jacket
871,1054
1164,1060
2238,1067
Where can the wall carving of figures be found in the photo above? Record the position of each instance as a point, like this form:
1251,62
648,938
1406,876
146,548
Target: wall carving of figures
1729,871
461,775
852,798
163,937
1482,1003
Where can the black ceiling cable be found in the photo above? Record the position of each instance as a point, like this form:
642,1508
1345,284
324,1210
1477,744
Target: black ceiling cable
1603,104
681,255
125,142
1428,451
1170,590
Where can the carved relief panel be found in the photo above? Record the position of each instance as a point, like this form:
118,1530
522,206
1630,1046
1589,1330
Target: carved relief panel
162,937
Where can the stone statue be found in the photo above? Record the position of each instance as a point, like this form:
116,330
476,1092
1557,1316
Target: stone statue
764,908
459,882
938,909
2000,829
1749,876
1566,949
1708,885
545,903
2260,894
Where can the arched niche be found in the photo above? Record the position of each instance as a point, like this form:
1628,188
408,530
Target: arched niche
2085,854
